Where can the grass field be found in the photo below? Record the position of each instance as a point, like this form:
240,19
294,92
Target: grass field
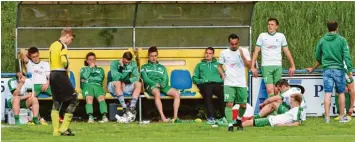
313,130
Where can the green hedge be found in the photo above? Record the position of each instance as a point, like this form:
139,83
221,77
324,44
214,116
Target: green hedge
303,23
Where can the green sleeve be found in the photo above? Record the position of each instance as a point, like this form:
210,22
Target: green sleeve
102,74
116,75
319,52
145,77
347,57
12,85
196,77
165,79
135,74
85,73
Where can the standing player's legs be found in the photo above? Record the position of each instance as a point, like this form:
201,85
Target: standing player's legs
241,99
347,103
174,93
351,90
207,93
218,91
271,74
340,83
229,99
63,91
328,89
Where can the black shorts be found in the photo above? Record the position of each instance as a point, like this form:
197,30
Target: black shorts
61,87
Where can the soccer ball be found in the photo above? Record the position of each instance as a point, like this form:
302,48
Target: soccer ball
130,117
121,119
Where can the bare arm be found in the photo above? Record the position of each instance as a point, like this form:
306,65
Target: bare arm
255,57
245,59
18,89
291,124
272,99
253,61
290,59
311,69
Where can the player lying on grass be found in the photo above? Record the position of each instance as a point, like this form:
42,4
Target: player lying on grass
91,77
22,96
280,103
293,117
156,81
125,79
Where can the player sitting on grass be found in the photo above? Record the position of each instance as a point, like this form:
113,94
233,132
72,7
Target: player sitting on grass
293,117
280,103
91,78
125,79
21,89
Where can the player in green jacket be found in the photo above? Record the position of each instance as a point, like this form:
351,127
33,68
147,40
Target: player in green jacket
331,52
155,78
209,82
91,78
125,79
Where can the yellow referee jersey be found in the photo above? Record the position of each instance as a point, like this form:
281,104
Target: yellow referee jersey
58,56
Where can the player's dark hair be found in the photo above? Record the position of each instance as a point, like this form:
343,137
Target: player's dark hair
32,50
297,97
210,48
273,19
332,26
19,72
233,36
282,82
152,49
87,56
128,55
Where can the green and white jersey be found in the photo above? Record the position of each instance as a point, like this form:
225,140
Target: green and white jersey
40,71
286,98
271,48
26,87
235,67
293,115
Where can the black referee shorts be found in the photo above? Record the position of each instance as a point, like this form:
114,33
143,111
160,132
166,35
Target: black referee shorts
61,87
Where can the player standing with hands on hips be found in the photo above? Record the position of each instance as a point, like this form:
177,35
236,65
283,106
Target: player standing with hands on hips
62,90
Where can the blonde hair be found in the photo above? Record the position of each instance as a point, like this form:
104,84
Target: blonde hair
297,97
66,31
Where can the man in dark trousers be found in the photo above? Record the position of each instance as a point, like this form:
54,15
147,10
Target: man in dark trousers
209,81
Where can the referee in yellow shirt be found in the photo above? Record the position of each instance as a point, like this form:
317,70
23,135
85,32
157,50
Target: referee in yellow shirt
62,89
